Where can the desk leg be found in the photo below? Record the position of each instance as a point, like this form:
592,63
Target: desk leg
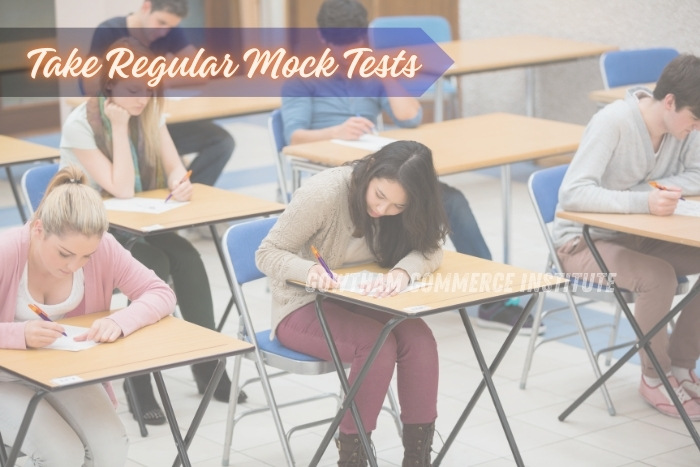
530,91
15,193
505,199
24,427
222,258
487,381
439,100
172,421
643,342
204,403
350,392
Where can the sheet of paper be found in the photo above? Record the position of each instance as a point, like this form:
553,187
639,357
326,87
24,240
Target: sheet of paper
67,343
352,282
367,142
688,208
137,204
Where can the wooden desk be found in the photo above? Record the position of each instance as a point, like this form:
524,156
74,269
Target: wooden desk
209,206
460,145
676,229
606,96
450,288
167,344
178,110
505,52
15,151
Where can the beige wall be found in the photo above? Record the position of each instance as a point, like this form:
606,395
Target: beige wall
562,89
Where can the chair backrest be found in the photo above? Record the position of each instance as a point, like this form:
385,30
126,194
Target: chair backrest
436,27
544,191
275,126
637,66
34,183
543,186
240,243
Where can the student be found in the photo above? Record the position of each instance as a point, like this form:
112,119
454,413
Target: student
155,26
63,261
119,139
308,118
383,208
645,137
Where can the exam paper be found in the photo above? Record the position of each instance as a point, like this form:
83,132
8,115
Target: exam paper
688,208
67,343
352,282
137,204
368,142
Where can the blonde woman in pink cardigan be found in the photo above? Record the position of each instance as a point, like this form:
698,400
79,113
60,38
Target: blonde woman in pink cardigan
64,261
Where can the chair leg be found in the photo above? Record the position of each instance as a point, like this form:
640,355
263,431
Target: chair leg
232,404
589,351
613,334
3,452
537,320
272,404
393,409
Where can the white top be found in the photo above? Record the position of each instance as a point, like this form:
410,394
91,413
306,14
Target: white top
56,311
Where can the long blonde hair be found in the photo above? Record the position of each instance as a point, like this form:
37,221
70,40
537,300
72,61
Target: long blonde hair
148,123
69,205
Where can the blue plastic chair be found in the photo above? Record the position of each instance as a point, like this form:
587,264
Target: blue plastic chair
240,242
275,126
543,187
436,27
34,183
638,66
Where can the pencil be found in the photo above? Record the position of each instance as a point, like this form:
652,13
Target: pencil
42,315
184,179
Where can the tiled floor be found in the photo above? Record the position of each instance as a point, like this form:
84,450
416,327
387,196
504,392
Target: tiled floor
636,436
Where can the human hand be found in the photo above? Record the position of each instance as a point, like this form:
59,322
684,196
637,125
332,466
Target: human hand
117,115
317,278
664,202
181,190
387,285
102,330
353,128
39,334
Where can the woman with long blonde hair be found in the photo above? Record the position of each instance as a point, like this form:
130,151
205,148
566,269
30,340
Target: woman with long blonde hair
64,262
120,139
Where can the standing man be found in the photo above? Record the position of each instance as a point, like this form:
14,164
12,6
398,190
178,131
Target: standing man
155,26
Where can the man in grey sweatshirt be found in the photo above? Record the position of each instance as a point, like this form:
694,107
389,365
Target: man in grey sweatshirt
644,138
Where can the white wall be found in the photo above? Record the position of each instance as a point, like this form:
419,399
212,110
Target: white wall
562,90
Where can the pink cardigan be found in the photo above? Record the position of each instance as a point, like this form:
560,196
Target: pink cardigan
110,267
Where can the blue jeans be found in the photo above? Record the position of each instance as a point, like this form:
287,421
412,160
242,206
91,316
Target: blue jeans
464,231
213,146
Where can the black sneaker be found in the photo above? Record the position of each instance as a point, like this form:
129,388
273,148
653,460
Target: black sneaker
503,315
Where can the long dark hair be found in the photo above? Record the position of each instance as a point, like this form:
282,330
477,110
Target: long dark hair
422,225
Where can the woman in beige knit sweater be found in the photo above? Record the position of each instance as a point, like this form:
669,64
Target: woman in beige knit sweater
384,208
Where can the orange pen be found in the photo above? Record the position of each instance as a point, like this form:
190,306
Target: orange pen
184,179
661,187
42,314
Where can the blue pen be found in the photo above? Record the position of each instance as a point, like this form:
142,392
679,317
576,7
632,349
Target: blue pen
321,262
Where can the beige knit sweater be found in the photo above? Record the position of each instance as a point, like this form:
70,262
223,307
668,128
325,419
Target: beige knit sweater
318,215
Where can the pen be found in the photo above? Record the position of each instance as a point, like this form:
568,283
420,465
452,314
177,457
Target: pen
661,187
42,315
184,179
320,260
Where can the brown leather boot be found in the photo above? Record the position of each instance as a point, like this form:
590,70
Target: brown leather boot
417,441
350,450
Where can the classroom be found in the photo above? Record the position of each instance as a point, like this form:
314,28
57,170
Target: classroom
527,80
